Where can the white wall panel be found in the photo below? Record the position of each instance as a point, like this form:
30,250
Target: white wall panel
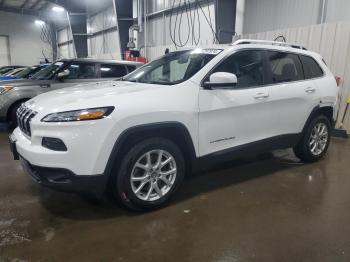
332,41
5,58
337,10
159,31
274,14
106,44
67,50
25,44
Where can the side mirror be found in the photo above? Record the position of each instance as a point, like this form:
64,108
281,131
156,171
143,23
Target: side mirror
221,80
62,75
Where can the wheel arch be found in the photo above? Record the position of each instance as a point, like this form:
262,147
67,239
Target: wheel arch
19,101
320,110
174,131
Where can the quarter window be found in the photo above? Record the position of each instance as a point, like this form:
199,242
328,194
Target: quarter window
247,66
112,71
311,67
284,67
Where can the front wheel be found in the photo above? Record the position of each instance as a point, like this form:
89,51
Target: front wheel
315,141
149,174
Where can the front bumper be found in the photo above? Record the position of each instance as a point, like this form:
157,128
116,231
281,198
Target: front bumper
80,169
65,180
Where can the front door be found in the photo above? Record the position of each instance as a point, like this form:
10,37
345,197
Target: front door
237,116
79,72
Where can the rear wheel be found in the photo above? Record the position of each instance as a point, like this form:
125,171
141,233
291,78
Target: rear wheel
149,174
315,141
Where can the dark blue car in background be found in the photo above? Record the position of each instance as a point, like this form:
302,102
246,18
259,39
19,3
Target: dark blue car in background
6,69
26,73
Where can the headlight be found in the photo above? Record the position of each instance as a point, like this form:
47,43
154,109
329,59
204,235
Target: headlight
79,115
4,89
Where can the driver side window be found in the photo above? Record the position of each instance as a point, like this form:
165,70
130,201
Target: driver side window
247,66
81,71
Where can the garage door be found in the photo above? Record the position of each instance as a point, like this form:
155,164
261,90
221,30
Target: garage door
4,51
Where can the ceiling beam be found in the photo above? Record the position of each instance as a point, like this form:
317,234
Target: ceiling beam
20,11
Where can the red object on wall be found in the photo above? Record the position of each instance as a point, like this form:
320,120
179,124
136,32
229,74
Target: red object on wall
338,79
133,55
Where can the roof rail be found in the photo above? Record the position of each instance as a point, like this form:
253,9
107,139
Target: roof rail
264,42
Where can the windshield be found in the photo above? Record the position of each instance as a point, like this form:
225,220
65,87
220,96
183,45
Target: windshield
12,72
5,70
173,68
29,71
48,72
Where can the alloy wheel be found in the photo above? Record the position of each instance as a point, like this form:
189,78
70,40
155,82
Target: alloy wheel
153,175
318,139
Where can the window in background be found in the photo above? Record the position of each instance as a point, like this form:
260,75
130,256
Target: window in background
112,71
81,71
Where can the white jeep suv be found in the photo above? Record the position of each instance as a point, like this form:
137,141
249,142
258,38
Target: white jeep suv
141,135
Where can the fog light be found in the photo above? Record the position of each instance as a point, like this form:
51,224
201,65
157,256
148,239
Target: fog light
53,144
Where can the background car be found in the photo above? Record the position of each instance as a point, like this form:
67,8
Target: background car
24,73
63,73
9,75
6,69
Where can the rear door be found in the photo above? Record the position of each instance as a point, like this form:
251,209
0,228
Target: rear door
292,97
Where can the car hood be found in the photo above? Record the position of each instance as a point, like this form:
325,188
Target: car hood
87,95
24,82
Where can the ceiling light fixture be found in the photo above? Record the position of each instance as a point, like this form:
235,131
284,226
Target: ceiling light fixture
39,22
58,9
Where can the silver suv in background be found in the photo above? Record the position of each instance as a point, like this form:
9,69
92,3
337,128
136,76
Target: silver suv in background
63,73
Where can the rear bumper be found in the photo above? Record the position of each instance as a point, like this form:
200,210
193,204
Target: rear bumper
65,180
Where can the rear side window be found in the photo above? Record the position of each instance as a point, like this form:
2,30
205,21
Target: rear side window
247,66
284,67
311,67
112,71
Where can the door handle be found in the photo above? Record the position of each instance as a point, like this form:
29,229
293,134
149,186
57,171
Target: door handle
45,86
261,96
310,90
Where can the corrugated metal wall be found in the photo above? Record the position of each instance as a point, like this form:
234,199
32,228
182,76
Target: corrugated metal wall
105,45
332,41
65,44
159,31
274,14
267,15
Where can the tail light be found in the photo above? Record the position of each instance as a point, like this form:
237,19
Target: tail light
338,80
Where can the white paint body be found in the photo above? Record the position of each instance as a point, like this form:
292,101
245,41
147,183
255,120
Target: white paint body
244,115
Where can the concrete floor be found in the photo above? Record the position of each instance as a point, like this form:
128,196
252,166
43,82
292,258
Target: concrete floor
267,209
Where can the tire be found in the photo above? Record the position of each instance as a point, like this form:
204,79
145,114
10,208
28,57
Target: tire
141,163
315,141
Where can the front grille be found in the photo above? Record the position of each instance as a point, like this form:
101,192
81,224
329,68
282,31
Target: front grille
24,117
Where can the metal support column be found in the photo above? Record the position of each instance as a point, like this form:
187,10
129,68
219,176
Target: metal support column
225,17
78,22
125,21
